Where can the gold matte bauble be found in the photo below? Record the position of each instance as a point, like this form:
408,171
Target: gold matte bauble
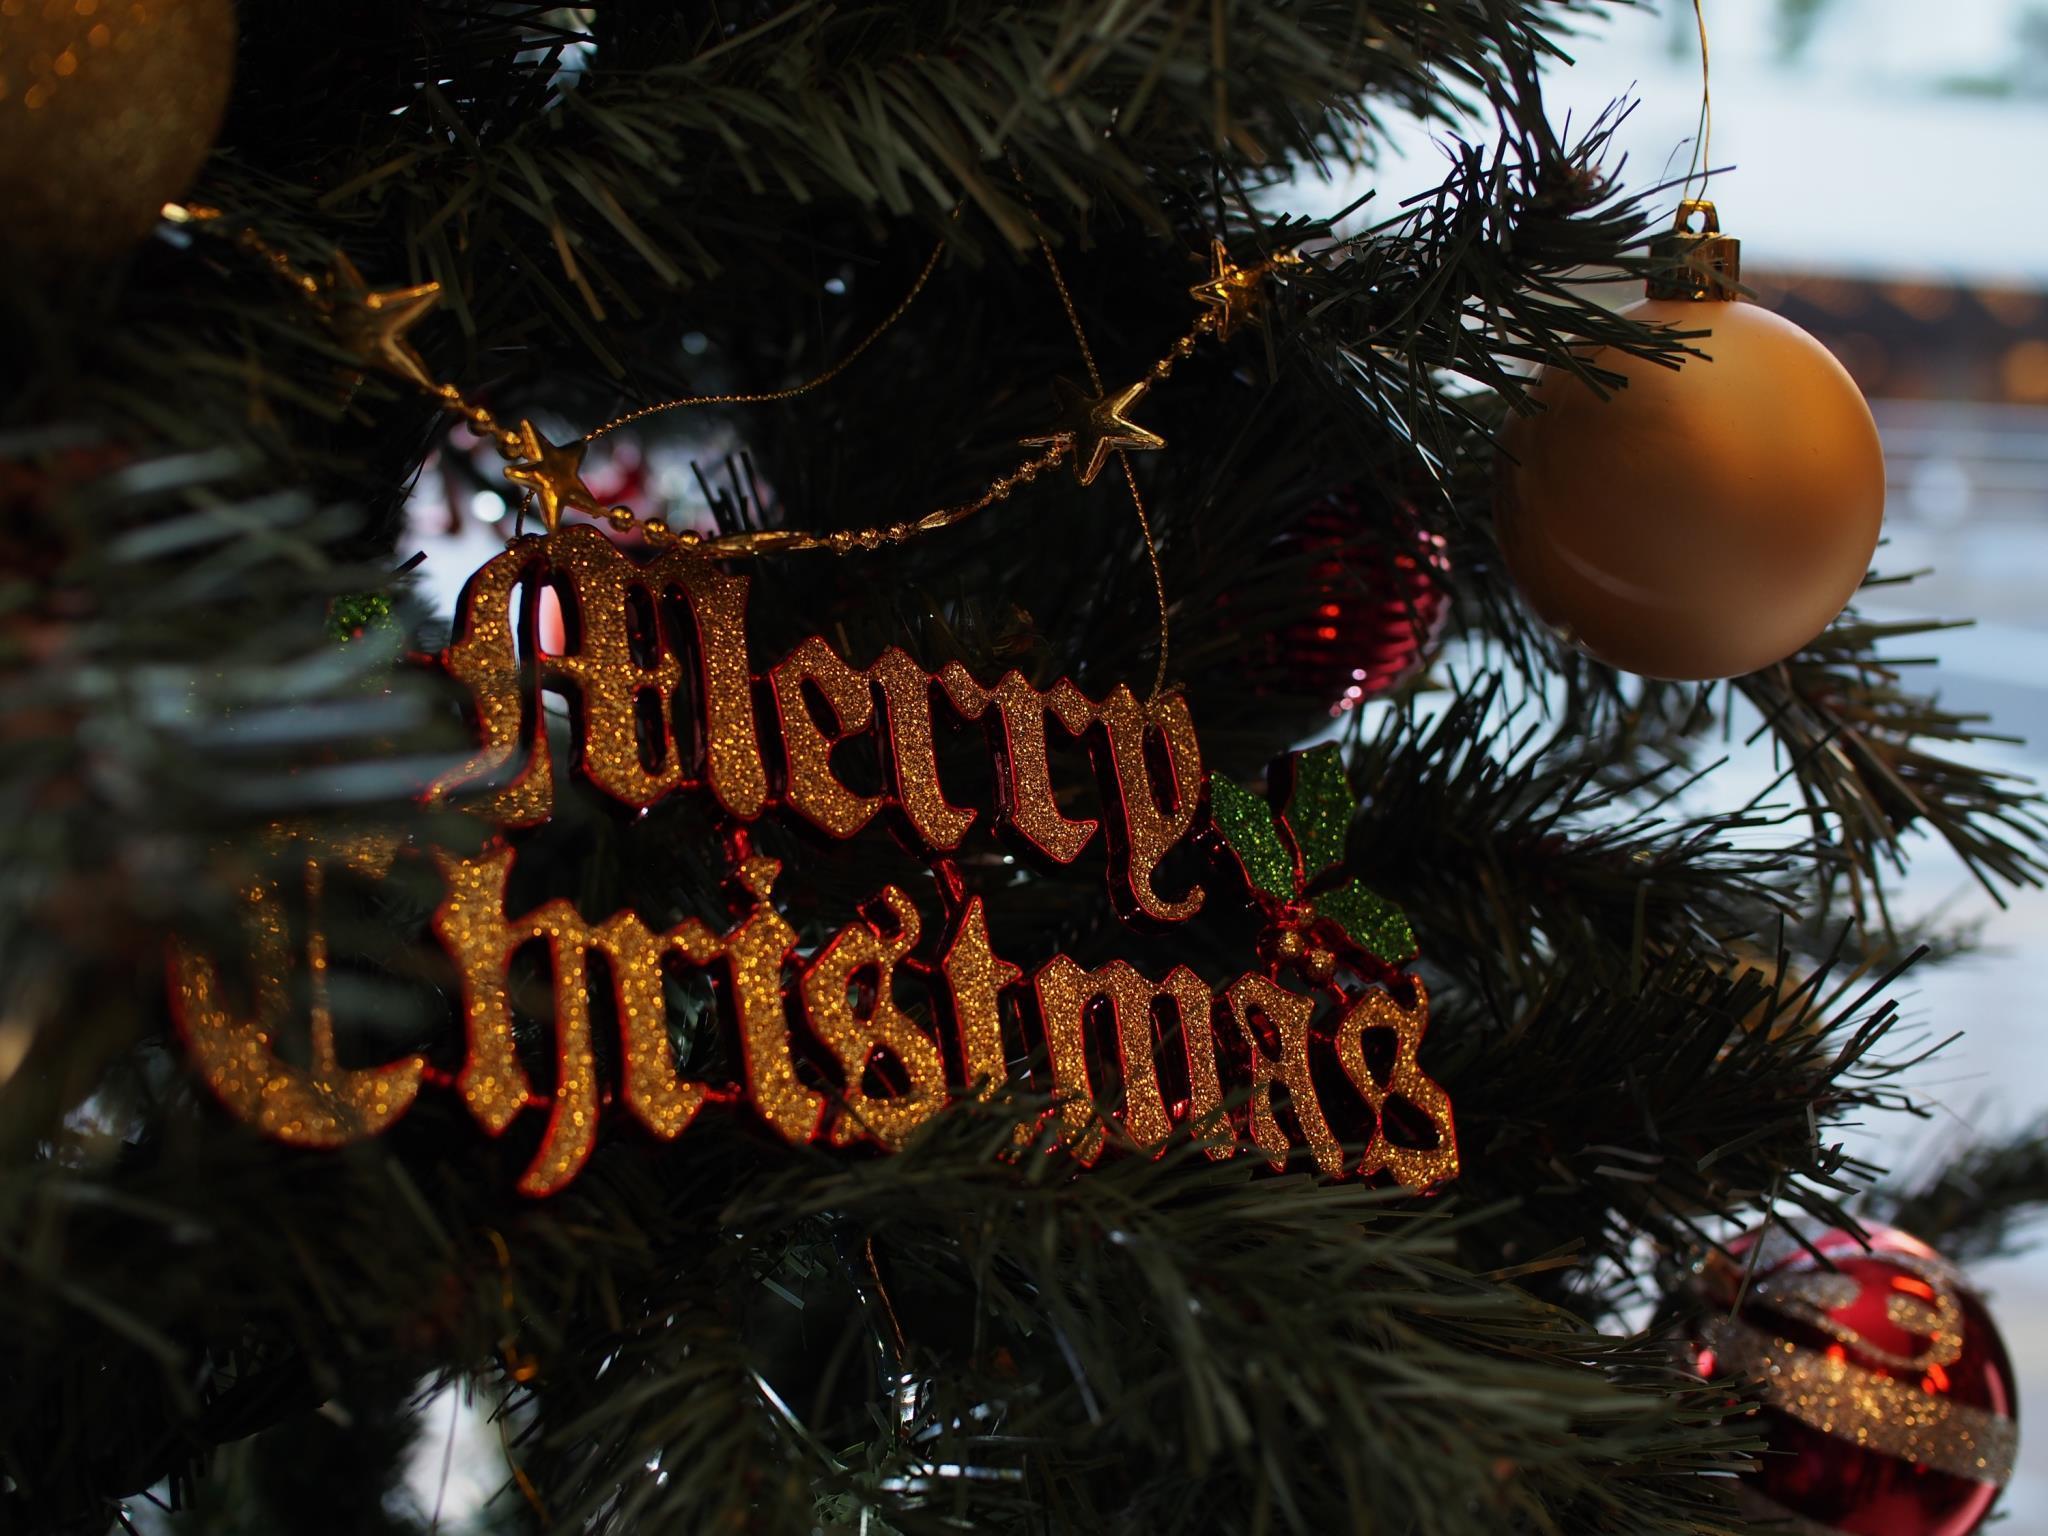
1704,521
107,110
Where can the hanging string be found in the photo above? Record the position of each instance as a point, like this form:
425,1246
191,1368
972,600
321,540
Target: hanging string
888,1306
1703,136
770,396
1059,282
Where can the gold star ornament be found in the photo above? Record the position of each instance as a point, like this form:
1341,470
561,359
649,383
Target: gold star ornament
1234,295
1095,426
372,323
554,473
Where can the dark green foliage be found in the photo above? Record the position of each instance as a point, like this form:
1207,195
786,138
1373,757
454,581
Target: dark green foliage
1980,1203
201,492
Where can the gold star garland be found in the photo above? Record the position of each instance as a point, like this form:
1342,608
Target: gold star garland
554,473
1234,295
373,324
1088,426
1091,427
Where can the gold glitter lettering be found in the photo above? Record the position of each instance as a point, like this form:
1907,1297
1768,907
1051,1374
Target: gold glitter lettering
756,952
1025,800
1140,832
975,977
1065,996
1254,998
855,1036
1416,1167
473,926
320,1105
1207,1117
913,756
486,657
718,609
620,702
813,792
625,706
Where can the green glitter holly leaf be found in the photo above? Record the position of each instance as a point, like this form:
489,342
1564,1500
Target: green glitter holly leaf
1369,920
1247,825
1284,855
1318,810
360,613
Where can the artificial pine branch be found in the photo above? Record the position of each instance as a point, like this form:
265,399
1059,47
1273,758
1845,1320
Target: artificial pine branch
1978,1201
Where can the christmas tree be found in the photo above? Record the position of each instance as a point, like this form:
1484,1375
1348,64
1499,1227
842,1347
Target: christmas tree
1045,942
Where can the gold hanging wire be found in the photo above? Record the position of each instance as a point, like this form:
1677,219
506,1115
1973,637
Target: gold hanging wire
1059,282
1703,136
769,397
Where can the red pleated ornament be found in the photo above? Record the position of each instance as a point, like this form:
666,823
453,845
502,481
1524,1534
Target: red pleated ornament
1886,1396
1380,582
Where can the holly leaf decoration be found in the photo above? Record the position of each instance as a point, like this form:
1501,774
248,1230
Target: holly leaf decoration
1247,825
1318,810
1369,920
1283,855
354,615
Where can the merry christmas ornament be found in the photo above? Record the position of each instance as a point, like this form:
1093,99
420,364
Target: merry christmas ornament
819,1046
806,1027
107,110
1703,521
1885,1393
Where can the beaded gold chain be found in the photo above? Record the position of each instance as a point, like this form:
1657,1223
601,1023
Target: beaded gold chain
1089,424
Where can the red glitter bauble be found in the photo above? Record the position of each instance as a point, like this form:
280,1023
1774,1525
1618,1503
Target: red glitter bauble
1380,581
1887,1400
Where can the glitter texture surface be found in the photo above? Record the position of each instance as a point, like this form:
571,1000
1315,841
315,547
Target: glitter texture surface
1207,1117
657,712
1025,797
319,1105
1415,1167
1888,1400
1248,829
1064,990
475,929
854,1034
975,978
1370,921
813,791
1318,811
1254,998
1880,1413
572,1109
1151,818
755,953
598,588
485,658
471,926
913,758
1066,997
718,610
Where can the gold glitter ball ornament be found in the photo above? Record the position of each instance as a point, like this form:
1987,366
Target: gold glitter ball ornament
1702,521
107,110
